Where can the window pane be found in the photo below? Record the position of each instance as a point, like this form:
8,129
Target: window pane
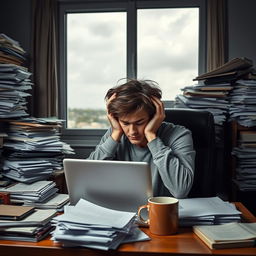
96,59
168,47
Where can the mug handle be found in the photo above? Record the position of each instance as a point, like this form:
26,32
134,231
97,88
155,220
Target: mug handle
146,222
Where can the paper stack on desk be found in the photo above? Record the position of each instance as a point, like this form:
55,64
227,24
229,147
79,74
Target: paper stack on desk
32,227
206,211
57,201
33,149
93,226
14,79
38,191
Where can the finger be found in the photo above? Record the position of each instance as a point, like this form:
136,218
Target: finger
158,104
159,107
111,98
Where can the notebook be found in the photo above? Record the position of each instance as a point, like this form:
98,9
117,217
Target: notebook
119,185
14,212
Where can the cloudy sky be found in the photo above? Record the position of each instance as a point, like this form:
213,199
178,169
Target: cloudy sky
167,52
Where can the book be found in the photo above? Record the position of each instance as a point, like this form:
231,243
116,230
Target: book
40,217
229,68
14,212
199,93
29,234
247,136
230,235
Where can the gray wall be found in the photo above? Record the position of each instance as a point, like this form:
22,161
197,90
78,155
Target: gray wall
242,32
15,21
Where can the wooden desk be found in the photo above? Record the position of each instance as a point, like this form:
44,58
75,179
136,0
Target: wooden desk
184,243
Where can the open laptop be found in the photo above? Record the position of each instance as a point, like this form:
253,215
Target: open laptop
119,185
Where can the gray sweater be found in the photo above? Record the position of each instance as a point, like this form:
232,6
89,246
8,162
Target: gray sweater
171,157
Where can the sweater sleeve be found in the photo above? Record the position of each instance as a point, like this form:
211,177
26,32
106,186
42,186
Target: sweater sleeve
106,149
174,157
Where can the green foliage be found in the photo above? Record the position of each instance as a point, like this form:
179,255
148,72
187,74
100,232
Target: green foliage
87,118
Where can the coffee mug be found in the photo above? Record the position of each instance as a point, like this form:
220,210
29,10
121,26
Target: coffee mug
163,216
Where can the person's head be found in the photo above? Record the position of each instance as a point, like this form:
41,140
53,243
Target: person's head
133,107
132,96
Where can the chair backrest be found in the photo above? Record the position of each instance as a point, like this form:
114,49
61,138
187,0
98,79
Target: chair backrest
201,124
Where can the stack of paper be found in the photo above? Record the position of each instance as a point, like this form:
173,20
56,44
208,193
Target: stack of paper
57,201
245,176
243,102
33,227
38,191
14,79
33,149
214,88
93,226
213,98
229,71
206,211
11,51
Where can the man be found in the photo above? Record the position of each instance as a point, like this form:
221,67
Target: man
138,133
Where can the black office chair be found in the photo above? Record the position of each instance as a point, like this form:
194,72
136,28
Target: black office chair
201,124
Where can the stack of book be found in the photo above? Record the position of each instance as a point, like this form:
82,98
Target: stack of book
33,149
25,223
14,79
206,211
93,226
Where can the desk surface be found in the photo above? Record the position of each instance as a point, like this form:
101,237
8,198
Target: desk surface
183,243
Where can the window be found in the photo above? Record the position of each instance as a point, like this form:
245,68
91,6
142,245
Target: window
104,41
96,57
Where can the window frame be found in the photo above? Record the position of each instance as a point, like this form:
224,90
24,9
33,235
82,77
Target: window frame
90,137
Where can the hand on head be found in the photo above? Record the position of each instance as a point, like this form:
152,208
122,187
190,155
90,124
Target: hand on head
117,131
153,125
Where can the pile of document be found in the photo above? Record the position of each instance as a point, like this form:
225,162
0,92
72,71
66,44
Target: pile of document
14,79
206,211
38,191
57,202
243,102
93,226
33,149
214,88
32,226
243,110
11,51
212,98
245,176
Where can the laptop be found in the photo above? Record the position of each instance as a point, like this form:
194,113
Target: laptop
119,185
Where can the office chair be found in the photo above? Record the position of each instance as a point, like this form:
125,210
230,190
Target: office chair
201,124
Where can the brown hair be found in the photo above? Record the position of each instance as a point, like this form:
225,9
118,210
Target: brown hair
132,96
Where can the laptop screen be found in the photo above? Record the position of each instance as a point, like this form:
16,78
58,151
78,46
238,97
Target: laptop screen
119,185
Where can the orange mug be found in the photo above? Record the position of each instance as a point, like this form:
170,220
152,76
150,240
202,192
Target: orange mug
163,216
